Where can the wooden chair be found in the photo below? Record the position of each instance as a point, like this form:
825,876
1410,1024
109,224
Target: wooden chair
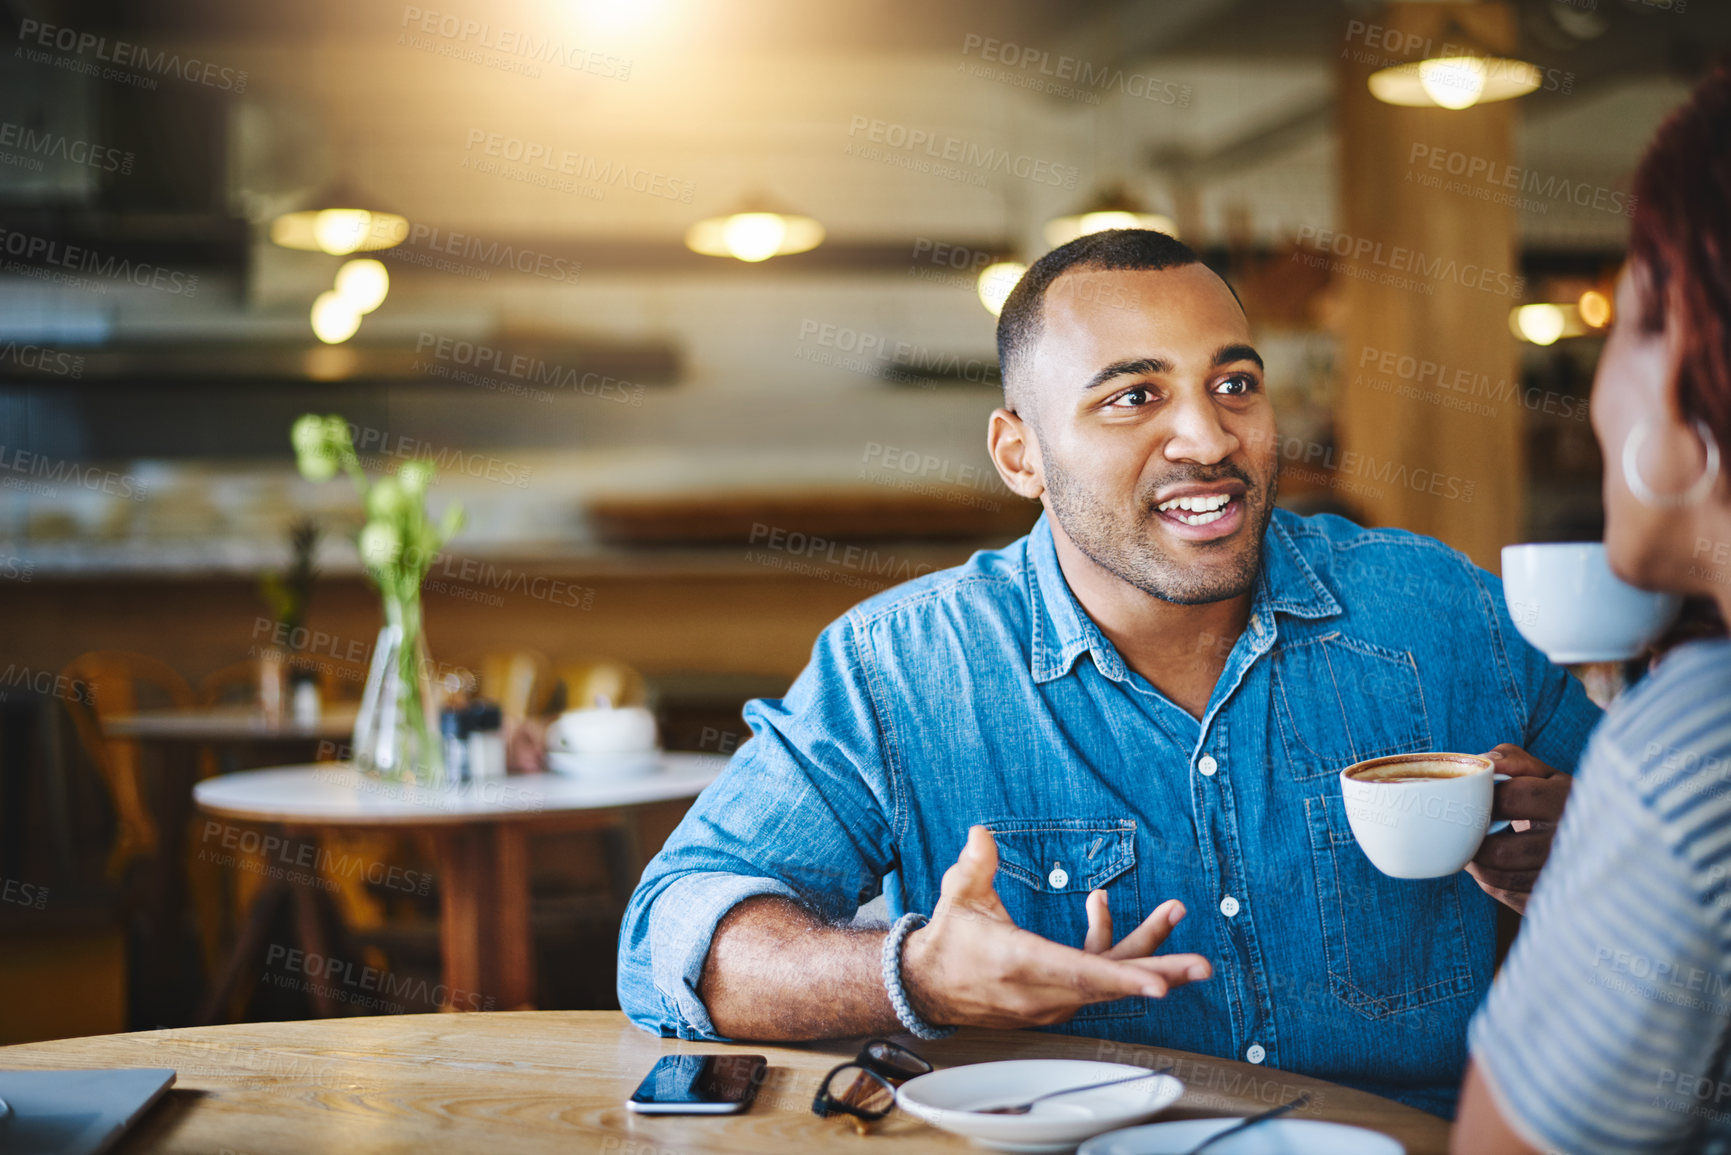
109,682
586,680
519,680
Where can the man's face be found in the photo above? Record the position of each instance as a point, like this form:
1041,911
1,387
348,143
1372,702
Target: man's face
1156,440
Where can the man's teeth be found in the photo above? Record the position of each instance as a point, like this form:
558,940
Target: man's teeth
1202,509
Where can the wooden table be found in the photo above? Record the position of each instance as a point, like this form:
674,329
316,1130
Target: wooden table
230,724
481,831
556,1082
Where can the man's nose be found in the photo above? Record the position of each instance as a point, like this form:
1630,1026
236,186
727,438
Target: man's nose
1198,435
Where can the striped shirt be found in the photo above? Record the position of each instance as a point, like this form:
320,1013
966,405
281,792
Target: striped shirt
1609,1029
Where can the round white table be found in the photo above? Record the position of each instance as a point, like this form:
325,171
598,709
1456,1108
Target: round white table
481,831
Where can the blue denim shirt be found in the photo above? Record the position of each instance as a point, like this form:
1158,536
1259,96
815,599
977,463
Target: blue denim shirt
985,694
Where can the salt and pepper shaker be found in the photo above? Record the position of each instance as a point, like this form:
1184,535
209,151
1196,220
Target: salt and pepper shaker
474,739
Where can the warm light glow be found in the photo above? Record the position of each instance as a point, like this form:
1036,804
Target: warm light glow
334,319
363,284
1595,308
339,231
754,236
617,16
1453,81
996,281
1539,324
1063,230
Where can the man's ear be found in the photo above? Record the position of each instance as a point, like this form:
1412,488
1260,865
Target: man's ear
1016,452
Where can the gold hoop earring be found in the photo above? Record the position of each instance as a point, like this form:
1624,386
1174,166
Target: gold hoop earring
1646,494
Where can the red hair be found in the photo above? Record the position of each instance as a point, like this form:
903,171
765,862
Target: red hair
1681,236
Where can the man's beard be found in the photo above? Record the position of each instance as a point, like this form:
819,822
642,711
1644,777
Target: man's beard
1128,548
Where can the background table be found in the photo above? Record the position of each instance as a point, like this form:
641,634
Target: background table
231,724
556,1082
481,831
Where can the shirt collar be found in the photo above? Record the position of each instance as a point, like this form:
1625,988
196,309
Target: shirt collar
1063,631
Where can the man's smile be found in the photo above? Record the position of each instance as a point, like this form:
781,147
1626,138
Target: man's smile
1203,512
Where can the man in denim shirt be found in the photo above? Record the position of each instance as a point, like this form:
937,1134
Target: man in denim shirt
1136,711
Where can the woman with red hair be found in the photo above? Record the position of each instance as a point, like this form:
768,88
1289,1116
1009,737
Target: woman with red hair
1609,1029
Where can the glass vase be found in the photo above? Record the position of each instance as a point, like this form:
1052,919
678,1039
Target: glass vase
397,729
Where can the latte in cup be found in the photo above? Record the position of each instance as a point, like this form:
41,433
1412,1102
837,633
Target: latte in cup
1420,815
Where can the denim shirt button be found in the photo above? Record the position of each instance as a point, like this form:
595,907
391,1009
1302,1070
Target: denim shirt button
1255,1054
1207,765
1229,907
1059,878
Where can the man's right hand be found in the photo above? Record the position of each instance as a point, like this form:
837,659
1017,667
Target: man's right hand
972,966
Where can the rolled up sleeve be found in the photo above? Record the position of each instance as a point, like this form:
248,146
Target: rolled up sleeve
802,811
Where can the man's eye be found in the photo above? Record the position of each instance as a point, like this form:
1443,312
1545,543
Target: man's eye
1238,385
1133,398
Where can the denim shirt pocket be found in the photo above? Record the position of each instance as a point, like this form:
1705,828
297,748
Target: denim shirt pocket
1047,866
1340,700
1391,945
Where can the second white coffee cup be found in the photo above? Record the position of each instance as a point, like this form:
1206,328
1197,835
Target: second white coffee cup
1420,815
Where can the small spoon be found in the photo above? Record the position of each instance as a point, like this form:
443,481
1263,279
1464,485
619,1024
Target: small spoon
1025,1107
1271,1113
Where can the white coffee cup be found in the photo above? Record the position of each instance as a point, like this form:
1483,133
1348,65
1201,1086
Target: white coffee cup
1565,600
1422,827
603,731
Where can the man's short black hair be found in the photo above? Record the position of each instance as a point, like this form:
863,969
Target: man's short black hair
1019,323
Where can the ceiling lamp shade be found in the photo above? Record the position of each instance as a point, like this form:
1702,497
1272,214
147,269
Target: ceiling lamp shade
341,226
1454,82
1112,208
755,233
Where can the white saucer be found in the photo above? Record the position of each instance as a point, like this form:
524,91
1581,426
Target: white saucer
630,765
1275,1137
947,1100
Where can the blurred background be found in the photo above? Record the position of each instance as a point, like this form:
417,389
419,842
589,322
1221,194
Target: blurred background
691,304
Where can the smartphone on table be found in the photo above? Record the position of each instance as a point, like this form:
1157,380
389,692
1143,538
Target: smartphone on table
699,1085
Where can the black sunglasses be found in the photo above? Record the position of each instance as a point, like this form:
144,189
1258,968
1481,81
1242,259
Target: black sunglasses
866,1087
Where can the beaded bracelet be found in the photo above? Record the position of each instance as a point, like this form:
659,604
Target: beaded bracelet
892,965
